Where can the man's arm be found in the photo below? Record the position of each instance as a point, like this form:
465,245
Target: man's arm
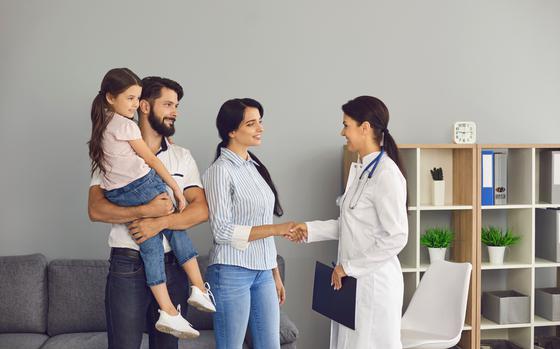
102,210
195,213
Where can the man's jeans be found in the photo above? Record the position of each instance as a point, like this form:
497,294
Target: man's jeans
244,296
140,192
130,307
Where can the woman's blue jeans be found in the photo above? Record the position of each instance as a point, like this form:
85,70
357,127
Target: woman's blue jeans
244,297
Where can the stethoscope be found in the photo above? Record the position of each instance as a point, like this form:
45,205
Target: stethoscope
360,187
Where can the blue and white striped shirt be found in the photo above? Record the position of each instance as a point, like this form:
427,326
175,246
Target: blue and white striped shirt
238,199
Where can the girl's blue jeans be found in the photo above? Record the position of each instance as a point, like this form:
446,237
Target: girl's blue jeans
140,192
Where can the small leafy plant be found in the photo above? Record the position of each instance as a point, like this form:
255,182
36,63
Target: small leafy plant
437,174
437,238
493,236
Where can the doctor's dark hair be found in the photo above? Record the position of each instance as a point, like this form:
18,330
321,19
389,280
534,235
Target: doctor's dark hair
374,111
115,82
229,119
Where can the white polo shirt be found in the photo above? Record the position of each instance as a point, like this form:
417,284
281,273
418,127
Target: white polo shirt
182,167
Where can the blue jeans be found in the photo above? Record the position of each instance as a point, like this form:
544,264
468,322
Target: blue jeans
140,192
244,297
130,307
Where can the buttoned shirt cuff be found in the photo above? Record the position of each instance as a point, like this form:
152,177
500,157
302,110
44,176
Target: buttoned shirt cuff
240,237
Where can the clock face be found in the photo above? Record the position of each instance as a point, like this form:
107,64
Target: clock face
464,132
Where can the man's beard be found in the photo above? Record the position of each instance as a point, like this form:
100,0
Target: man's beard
160,126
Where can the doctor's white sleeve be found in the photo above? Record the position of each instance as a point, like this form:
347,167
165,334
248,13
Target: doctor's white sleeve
217,183
390,207
322,230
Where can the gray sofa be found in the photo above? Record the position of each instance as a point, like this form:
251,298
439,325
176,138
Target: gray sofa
60,305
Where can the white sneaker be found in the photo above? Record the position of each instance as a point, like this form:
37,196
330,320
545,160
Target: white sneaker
175,325
202,301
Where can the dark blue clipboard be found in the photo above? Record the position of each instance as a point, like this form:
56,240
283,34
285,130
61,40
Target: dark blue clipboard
339,306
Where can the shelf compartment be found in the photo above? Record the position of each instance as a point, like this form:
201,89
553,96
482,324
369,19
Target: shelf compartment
519,280
460,222
538,194
457,165
520,221
519,335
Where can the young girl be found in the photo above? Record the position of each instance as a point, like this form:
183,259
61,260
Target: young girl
132,175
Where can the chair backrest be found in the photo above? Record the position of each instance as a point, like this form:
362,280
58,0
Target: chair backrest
440,301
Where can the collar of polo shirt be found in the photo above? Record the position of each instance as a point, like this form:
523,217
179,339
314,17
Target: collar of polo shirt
164,145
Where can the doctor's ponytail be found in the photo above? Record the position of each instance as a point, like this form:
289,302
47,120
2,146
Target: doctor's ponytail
374,111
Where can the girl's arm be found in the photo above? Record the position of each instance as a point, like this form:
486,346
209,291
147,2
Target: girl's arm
143,151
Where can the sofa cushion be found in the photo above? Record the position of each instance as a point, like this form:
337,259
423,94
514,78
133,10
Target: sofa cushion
77,296
87,340
23,294
288,330
22,340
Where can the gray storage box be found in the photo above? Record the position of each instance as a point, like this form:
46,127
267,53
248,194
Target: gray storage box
547,234
550,177
498,344
506,307
547,303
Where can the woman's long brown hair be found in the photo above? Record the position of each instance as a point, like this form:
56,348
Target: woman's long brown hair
114,82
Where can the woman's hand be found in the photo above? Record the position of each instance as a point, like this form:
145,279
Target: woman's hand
142,229
280,290
336,277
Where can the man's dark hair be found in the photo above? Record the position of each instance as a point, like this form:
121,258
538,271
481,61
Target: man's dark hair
152,85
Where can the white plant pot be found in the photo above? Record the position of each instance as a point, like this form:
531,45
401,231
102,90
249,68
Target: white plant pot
436,254
496,254
438,193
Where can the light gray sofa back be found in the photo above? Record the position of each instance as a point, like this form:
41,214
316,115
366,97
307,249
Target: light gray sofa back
23,294
74,294
77,296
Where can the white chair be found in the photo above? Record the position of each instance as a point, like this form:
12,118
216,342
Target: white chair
435,316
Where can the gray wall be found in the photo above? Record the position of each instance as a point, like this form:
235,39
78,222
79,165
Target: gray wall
433,62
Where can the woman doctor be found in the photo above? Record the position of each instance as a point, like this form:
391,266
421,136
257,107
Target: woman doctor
372,229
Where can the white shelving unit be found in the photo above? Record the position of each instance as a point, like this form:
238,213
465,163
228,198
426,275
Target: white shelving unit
522,271
458,213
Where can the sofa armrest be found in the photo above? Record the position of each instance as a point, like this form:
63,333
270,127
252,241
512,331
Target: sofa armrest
288,331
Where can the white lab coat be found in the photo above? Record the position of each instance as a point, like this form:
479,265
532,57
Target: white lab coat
370,237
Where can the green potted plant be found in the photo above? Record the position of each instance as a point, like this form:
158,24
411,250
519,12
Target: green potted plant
497,241
437,240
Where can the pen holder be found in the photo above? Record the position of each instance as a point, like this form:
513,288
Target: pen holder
438,193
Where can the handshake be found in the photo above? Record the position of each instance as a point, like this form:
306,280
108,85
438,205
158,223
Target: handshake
293,231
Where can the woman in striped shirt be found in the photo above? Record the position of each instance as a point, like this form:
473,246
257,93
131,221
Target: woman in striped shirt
242,199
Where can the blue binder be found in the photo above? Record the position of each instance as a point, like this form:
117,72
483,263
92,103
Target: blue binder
487,166
340,305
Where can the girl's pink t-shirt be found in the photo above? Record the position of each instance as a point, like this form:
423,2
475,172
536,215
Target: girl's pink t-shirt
122,164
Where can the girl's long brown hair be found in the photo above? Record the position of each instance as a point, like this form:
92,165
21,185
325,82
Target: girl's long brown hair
114,82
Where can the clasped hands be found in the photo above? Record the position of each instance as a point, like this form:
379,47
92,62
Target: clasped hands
293,231
297,232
